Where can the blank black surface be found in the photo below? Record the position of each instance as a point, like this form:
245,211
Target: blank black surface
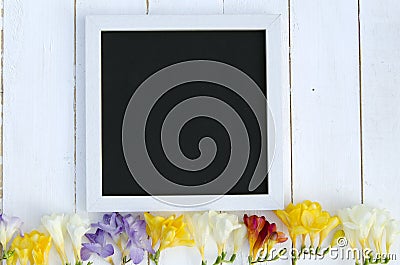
129,58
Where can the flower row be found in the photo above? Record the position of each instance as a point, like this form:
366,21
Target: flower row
363,228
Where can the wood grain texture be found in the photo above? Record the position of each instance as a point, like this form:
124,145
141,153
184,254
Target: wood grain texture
380,64
187,7
84,8
325,102
39,165
38,120
325,105
1,108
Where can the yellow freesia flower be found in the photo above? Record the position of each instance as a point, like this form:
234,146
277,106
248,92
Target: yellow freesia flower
307,219
333,222
154,227
311,205
42,248
22,247
291,217
33,248
314,220
339,235
174,233
170,232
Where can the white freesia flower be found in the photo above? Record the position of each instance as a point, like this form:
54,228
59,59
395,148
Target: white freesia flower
382,216
77,228
350,229
364,224
362,218
9,226
392,230
54,224
199,228
222,225
239,237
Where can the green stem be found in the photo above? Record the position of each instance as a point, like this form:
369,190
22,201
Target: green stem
294,257
323,254
156,257
376,261
260,260
231,260
125,260
80,262
326,252
221,259
218,260
7,254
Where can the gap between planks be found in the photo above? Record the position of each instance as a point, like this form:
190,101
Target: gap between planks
360,99
75,117
1,105
290,104
290,108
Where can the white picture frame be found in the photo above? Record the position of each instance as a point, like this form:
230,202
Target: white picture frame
95,201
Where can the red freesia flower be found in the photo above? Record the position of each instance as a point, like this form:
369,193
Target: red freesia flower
254,226
261,240
262,234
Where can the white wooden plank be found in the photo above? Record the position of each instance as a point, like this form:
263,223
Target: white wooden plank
38,109
272,7
84,8
1,110
380,64
325,104
187,7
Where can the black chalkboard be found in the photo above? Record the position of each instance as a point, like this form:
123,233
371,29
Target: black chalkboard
129,57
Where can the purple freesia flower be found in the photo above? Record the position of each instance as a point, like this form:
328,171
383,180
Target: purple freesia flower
138,241
9,227
127,232
97,246
112,224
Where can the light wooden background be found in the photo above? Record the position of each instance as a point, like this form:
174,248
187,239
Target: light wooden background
341,77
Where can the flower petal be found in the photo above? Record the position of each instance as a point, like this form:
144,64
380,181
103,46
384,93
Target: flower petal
136,254
85,253
107,251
